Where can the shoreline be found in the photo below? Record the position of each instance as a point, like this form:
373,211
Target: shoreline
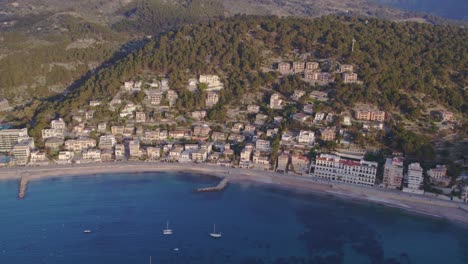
417,204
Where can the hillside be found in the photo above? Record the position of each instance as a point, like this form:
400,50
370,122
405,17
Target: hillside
49,46
407,69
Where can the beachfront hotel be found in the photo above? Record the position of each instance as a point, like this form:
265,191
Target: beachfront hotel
10,137
335,168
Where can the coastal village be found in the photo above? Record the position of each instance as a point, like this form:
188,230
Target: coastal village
255,136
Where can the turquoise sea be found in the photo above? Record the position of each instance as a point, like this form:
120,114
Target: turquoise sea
260,224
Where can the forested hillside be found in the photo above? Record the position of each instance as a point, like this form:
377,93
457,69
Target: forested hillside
396,61
404,66
47,46
153,16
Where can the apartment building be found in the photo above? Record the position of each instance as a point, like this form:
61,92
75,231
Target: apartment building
211,80
198,115
414,178
102,127
54,143
393,173
298,66
346,68
212,99
350,77
282,163
119,152
80,144
91,155
22,150
140,117
312,66
201,132
275,101
52,133
370,115
58,124
284,67
300,164
328,134
65,156
306,137
440,171
323,77
262,145
134,148
10,137
153,153
107,142
253,109
154,97
335,168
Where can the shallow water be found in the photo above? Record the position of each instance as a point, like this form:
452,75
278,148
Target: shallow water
260,224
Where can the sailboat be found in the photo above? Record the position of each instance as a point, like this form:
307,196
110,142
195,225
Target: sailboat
167,231
214,234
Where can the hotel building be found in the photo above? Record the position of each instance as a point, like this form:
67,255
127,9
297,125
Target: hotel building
335,168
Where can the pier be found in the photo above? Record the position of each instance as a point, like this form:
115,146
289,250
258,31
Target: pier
221,186
23,185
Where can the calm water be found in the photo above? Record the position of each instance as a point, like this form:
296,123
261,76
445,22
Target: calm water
452,9
259,224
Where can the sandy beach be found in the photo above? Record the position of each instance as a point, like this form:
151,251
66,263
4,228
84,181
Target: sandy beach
434,207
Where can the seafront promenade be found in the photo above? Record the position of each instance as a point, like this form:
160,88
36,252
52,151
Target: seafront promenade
433,206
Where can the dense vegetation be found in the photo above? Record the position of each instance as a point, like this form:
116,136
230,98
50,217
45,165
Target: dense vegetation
400,63
33,65
153,16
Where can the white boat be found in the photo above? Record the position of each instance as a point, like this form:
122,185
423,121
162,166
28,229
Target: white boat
167,231
214,234
87,231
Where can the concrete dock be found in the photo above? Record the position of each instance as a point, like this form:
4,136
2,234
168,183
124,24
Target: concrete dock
221,186
23,185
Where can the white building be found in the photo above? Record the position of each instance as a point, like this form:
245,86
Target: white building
91,155
22,150
107,142
275,101
52,133
335,168
306,137
38,157
262,145
10,137
414,178
58,124
65,156
134,148
213,82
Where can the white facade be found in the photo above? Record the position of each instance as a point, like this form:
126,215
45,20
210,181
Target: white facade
107,142
92,155
10,137
415,176
335,168
306,137
262,145
65,156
